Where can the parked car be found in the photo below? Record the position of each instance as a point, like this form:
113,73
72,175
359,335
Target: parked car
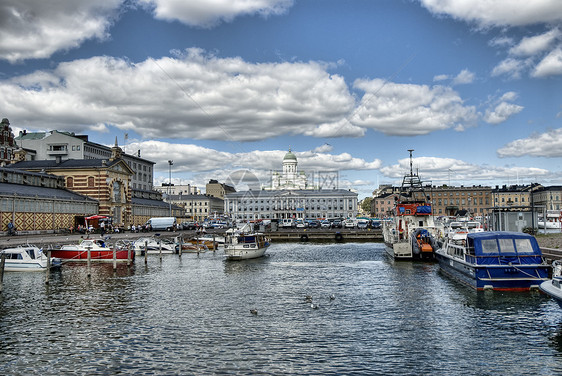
188,226
349,223
336,223
325,224
301,224
362,223
376,225
313,223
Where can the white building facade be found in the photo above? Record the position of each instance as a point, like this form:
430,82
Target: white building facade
290,196
290,177
279,204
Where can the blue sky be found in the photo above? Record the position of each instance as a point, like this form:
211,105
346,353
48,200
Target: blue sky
223,86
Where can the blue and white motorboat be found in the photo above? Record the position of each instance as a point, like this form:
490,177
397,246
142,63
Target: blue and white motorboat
553,287
27,258
495,260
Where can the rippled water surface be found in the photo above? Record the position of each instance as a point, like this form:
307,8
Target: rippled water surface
192,316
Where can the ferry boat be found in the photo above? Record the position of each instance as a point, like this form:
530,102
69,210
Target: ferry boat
242,246
411,234
100,251
27,258
553,288
496,260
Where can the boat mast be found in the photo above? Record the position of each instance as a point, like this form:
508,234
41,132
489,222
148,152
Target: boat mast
412,186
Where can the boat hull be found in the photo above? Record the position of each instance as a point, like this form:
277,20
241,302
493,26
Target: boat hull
243,253
399,251
494,277
553,289
79,255
25,266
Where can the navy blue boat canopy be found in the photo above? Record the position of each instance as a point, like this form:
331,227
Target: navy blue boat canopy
423,209
503,243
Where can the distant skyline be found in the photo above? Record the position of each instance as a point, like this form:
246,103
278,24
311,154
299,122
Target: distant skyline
227,87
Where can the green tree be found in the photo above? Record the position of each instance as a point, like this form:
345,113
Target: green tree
366,204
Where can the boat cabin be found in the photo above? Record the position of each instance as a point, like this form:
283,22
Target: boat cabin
502,247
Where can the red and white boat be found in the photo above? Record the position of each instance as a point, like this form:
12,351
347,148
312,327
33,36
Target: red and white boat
100,251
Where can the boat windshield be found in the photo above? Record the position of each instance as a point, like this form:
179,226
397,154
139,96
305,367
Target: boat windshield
507,246
524,246
489,246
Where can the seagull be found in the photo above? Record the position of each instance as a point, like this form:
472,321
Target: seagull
308,298
332,297
254,312
314,306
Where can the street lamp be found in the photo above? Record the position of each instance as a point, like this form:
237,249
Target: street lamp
170,163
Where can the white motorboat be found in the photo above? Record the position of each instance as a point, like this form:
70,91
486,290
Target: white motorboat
553,287
153,245
240,246
553,220
27,258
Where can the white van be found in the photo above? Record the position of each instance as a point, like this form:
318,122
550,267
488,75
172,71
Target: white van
162,223
288,222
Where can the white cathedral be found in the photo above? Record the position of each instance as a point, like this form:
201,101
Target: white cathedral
290,177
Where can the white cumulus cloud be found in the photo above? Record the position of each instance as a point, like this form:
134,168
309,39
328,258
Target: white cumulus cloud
550,65
442,170
548,144
486,13
195,95
31,29
408,109
208,13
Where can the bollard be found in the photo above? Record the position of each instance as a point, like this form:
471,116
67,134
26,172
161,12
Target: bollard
48,271
2,264
89,261
115,258
160,249
180,246
146,252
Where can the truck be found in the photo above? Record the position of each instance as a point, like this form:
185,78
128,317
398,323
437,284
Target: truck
162,223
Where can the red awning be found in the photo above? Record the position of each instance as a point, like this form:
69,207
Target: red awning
96,217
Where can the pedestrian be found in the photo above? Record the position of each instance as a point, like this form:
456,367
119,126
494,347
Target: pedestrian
102,228
11,228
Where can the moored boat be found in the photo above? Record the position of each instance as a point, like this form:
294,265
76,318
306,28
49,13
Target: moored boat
245,246
553,287
553,220
153,245
411,234
27,258
496,260
99,250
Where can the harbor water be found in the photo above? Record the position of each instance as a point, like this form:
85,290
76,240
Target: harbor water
192,315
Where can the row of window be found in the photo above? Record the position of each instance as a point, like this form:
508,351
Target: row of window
26,205
292,201
451,194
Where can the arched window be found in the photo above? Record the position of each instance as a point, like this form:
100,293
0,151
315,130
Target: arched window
70,182
90,181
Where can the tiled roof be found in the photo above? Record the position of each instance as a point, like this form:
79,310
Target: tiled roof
31,191
68,163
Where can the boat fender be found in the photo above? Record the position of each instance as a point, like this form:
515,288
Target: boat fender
304,238
339,237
